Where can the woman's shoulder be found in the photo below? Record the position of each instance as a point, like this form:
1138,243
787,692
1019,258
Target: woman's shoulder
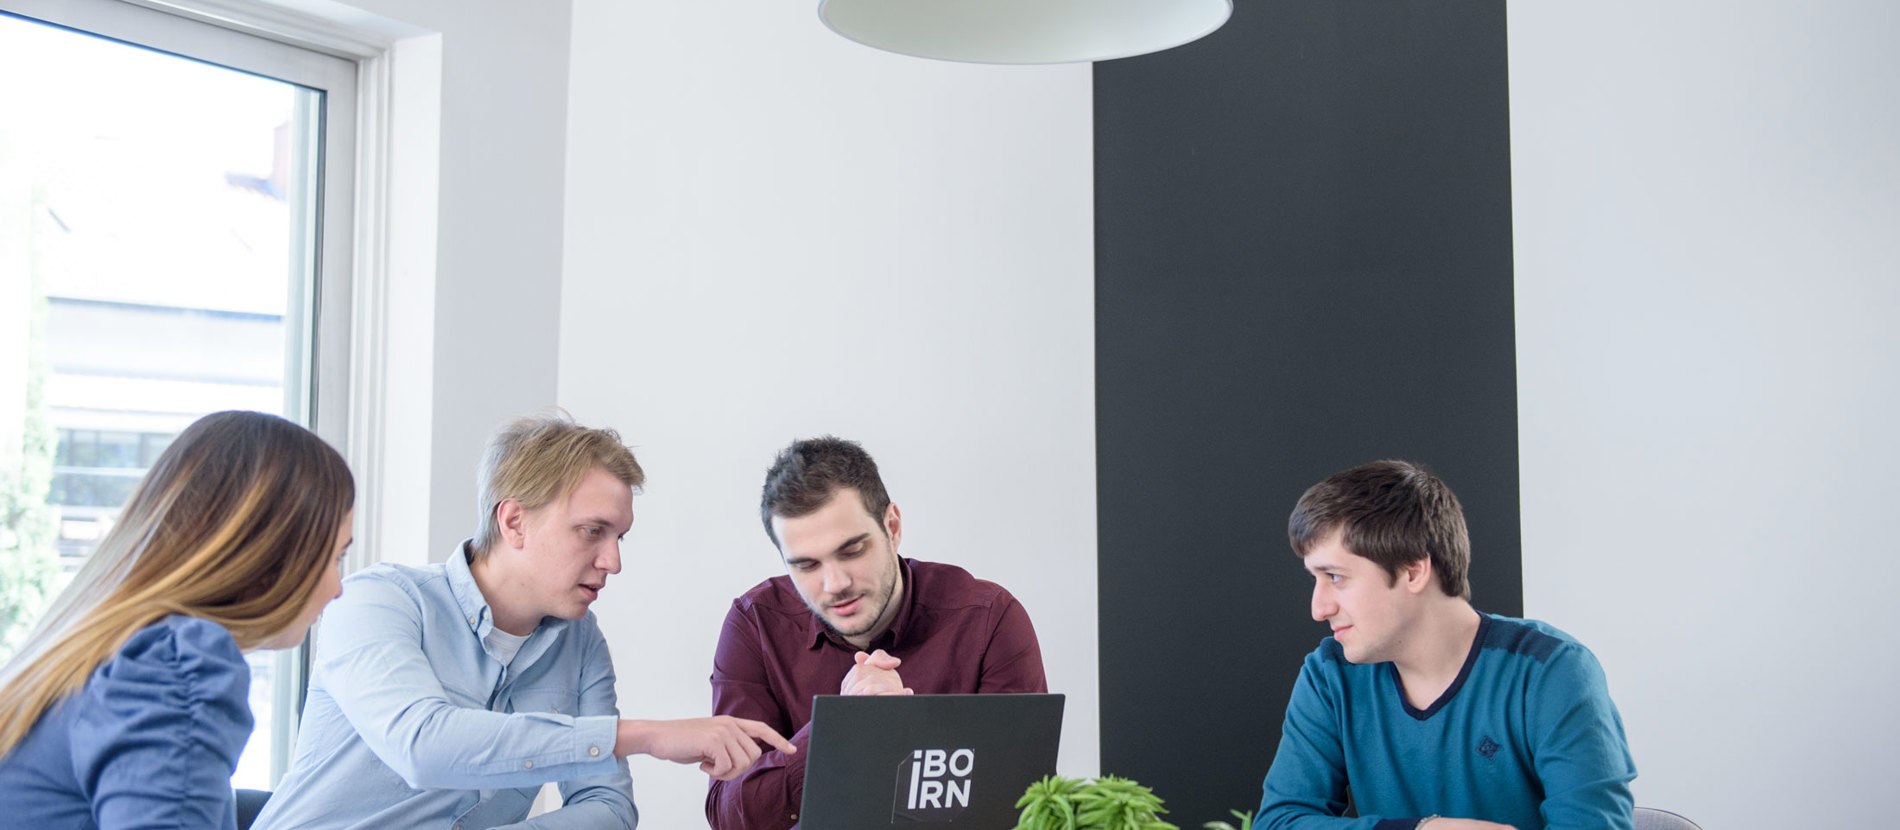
182,638
159,726
177,659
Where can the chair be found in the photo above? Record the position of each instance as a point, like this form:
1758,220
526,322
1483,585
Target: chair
1650,818
249,804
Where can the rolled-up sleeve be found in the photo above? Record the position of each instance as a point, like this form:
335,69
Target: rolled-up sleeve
371,661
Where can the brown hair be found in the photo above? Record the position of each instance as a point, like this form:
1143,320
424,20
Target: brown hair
539,459
805,475
1393,513
235,523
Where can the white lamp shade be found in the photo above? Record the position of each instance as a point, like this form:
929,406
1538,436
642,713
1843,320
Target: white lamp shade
1024,31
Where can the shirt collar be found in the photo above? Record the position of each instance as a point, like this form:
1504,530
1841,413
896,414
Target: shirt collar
906,609
468,595
474,606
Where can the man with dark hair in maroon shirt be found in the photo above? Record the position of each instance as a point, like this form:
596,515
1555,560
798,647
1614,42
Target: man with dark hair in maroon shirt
849,617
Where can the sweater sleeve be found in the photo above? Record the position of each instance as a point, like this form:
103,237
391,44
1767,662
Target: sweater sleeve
162,726
1305,788
1579,751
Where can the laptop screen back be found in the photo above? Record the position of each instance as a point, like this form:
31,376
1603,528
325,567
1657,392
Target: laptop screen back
926,760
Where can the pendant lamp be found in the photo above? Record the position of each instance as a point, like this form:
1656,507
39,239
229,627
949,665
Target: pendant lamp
1024,31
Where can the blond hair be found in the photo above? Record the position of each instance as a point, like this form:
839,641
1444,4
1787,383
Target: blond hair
235,523
539,459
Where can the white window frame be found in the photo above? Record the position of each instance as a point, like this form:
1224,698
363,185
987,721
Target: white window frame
348,395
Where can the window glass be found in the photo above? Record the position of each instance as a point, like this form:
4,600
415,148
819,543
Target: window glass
157,245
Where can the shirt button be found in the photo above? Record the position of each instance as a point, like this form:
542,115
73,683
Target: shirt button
594,751
458,827
527,765
553,711
471,621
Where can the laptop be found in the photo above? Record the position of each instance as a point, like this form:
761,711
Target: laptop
952,761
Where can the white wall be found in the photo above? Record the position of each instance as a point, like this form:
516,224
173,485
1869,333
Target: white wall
1706,197
774,232
472,320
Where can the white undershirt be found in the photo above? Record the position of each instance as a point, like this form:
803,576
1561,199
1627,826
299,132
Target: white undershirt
503,644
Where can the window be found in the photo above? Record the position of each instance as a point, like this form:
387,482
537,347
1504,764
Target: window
175,203
94,472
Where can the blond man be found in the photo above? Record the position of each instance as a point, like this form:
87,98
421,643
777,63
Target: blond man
448,695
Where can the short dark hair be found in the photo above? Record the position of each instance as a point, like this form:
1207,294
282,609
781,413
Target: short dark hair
805,475
1393,513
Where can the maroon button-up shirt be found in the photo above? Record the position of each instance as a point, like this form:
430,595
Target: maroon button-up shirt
955,633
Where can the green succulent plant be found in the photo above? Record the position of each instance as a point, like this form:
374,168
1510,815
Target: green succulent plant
1246,822
1049,804
1119,804
1107,803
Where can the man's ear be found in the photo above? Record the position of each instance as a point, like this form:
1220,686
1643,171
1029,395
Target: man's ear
893,524
1418,575
512,518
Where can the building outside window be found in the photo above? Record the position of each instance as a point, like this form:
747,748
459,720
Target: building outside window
161,223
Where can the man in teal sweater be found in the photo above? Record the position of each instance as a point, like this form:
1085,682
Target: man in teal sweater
1436,716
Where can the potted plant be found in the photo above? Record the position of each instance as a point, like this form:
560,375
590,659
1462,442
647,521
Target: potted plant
1106,803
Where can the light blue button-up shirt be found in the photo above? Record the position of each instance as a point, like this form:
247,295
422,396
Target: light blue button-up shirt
412,722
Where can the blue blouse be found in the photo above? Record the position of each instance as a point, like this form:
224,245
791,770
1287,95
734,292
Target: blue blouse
150,741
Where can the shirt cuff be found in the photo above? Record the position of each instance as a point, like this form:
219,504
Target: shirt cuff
594,737
795,767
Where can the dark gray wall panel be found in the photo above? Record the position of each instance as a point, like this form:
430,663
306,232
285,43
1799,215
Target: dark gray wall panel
1303,263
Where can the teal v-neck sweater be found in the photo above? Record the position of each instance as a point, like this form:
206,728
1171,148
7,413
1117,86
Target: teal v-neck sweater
1526,736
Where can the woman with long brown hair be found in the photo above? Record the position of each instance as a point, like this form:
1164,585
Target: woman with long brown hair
128,705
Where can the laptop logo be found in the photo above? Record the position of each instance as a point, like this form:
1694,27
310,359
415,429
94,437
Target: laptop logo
933,785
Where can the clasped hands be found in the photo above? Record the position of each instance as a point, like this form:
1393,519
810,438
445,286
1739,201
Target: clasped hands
873,674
